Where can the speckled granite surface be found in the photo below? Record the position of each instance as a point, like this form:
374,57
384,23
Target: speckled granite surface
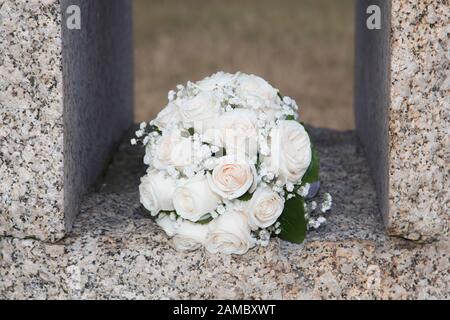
419,119
372,94
31,120
98,92
402,108
54,102
419,173
116,251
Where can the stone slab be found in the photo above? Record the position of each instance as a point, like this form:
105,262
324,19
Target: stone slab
31,120
65,101
98,92
419,113
116,251
372,90
402,106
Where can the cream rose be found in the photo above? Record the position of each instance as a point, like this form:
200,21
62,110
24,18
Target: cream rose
182,154
290,154
172,150
229,234
156,192
162,157
190,236
232,177
194,198
168,225
200,111
239,132
254,88
167,116
264,208
219,79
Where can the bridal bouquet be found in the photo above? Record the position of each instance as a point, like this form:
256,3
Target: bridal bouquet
230,166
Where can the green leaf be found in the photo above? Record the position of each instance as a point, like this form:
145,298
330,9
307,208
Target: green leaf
290,117
292,220
154,128
205,221
191,131
258,161
279,95
168,212
312,174
245,197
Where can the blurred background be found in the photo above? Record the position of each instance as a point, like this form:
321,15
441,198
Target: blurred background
302,47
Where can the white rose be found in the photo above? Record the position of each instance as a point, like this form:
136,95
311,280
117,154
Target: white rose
168,225
162,156
167,116
239,132
193,199
182,153
172,150
217,80
256,90
156,191
199,111
232,177
190,236
229,234
264,208
290,151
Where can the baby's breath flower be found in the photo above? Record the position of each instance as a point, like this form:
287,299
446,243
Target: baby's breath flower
289,186
304,190
171,95
321,220
220,209
139,133
215,149
327,203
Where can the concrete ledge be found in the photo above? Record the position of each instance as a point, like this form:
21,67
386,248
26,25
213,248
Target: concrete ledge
116,251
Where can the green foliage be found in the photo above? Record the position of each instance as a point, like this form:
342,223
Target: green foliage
290,117
279,95
205,221
292,220
245,197
312,174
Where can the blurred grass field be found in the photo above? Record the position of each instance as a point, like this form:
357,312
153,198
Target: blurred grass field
302,47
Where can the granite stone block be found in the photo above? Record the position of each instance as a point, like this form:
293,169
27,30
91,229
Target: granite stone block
98,92
65,100
31,120
402,106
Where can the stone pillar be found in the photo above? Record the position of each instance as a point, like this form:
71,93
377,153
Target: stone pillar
402,112
65,100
